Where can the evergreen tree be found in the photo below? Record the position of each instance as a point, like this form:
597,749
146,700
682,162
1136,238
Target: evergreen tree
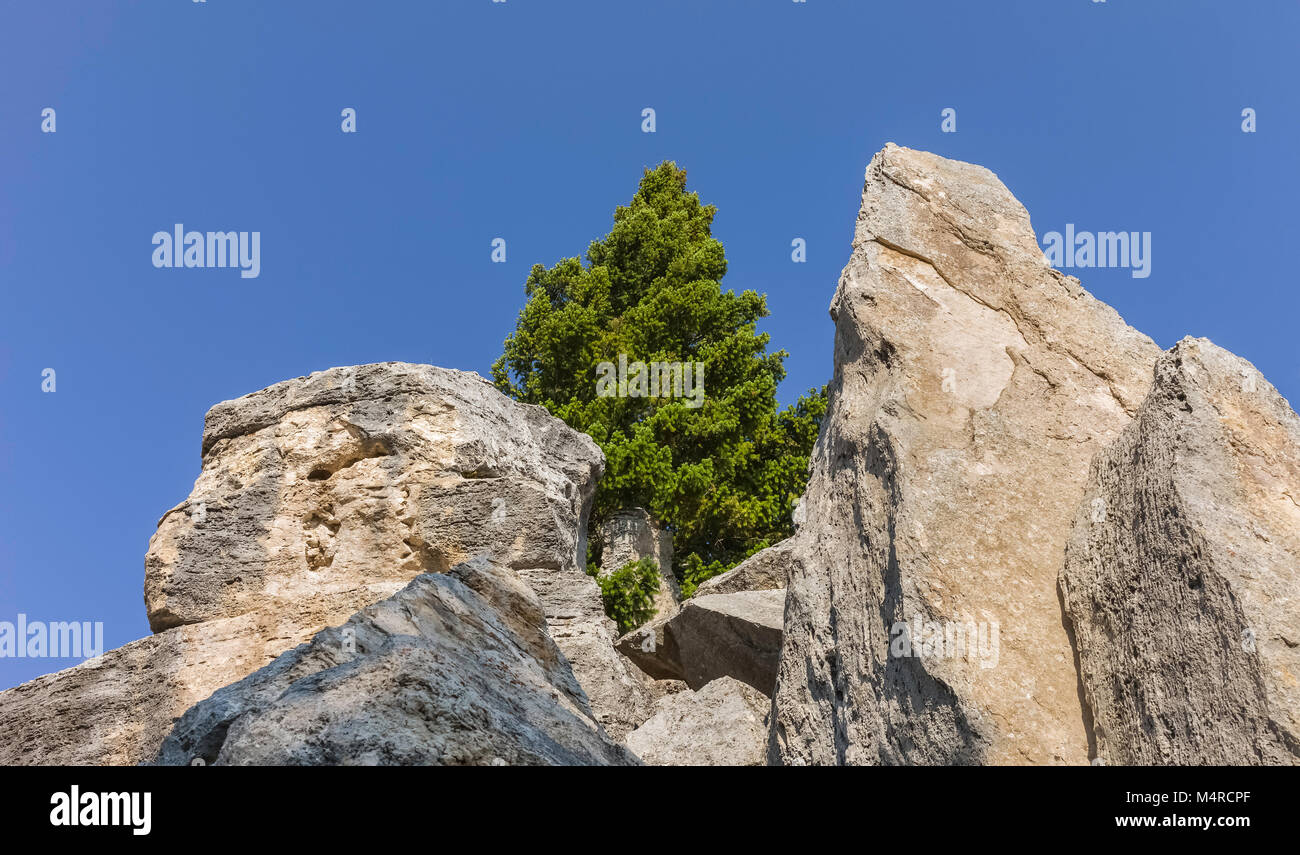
723,475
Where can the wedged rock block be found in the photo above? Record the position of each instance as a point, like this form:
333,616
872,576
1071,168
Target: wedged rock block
762,571
1182,576
730,635
653,650
454,669
723,724
972,386
721,635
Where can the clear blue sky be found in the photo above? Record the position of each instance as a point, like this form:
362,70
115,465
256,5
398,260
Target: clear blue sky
522,120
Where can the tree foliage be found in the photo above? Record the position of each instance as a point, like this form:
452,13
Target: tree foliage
629,592
723,476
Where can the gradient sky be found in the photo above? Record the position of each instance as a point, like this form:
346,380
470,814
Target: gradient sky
522,120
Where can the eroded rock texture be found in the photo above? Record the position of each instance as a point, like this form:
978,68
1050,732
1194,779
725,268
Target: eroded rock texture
365,476
1182,577
117,714
455,669
319,496
972,386
723,724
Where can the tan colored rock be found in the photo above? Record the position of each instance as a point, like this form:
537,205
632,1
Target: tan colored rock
762,571
632,535
730,635
319,496
723,724
654,650
722,635
115,711
972,386
371,474
660,689
376,474
1182,576
455,669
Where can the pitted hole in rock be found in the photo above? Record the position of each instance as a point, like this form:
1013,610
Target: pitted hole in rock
320,529
366,447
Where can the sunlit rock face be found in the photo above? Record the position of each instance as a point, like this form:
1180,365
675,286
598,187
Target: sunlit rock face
972,386
317,497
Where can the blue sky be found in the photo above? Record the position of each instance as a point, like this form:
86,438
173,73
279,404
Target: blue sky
522,120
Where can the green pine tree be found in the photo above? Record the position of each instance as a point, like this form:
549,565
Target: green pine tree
723,476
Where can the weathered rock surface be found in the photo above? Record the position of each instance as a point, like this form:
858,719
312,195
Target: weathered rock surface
763,571
374,474
118,713
660,689
1182,576
731,635
654,650
454,669
972,386
319,496
723,724
631,535
722,635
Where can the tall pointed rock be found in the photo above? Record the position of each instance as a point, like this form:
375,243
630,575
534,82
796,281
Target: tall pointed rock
972,386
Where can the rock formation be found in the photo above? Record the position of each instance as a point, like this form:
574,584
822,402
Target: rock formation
319,496
632,535
763,571
723,724
972,386
720,635
116,711
454,669
1028,537
1183,572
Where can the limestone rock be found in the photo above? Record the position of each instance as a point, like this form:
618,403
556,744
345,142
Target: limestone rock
731,635
374,474
723,724
319,496
660,689
722,635
654,650
631,535
972,386
116,710
1183,571
454,669
763,571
